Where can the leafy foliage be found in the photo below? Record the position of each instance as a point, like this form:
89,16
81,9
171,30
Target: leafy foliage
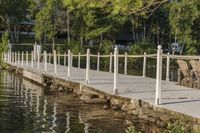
131,129
4,44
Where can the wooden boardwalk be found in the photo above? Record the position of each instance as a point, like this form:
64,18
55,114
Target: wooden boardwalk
177,98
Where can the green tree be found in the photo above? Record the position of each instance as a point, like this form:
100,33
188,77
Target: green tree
4,44
12,13
183,16
45,25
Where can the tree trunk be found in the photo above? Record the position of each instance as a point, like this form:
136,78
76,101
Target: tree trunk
81,40
101,41
68,27
144,35
53,41
158,37
18,33
9,29
45,38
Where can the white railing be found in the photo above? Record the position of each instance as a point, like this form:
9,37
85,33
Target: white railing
23,59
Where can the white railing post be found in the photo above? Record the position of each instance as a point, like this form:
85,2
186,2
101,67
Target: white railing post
22,62
69,65
11,58
55,62
71,59
158,75
167,67
15,58
79,60
2,56
98,61
18,58
45,61
64,59
5,57
144,64
8,56
34,51
115,70
26,58
49,58
32,58
38,60
87,66
58,58
125,63
110,66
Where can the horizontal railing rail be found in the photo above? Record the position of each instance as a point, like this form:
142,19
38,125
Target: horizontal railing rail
34,59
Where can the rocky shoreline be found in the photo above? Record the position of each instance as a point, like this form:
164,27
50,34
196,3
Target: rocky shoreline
133,107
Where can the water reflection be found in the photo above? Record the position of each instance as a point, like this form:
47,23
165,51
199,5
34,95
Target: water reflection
27,108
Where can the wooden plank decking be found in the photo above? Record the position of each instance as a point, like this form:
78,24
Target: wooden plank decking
177,98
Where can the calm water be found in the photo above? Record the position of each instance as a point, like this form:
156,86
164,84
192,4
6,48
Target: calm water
27,108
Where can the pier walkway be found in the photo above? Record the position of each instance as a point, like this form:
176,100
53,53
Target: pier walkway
174,97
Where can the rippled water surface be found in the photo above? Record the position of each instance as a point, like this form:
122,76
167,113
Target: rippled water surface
26,107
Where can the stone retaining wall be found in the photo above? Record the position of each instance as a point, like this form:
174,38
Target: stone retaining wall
134,107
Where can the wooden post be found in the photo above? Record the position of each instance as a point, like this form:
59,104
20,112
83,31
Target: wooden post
110,66
158,75
167,68
64,59
22,62
115,70
98,61
32,58
87,67
79,60
38,60
144,64
69,65
125,63
26,58
55,62
45,61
